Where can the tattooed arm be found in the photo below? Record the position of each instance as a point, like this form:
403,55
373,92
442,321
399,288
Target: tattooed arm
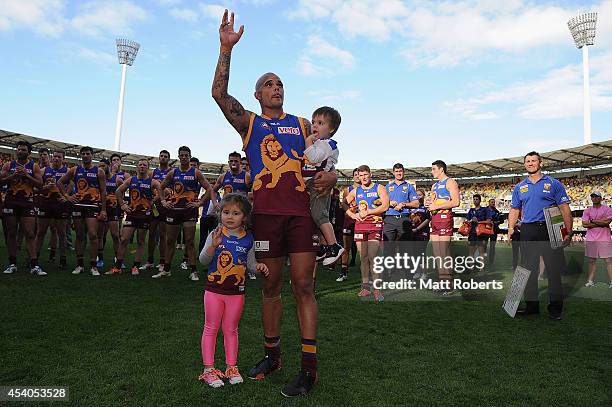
233,111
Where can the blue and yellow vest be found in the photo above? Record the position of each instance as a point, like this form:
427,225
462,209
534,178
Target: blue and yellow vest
20,190
87,185
185,187
141,196
234,183
227,270
275,150
368,199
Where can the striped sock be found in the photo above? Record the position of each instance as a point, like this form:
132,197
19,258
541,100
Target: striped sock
272,347
309,356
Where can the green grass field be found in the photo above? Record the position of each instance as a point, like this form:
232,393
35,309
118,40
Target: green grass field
126,340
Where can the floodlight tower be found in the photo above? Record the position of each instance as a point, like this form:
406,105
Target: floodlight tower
582,28
126,51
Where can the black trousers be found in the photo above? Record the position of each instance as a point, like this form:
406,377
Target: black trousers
535,243
516,252
396,230
492,244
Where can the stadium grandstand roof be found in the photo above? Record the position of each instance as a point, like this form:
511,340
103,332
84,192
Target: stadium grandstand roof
582,157
8,140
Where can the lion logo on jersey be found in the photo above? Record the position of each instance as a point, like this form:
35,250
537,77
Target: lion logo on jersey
82,185
52,192
178,188
134,195
363,205
416,218
226,268
276,162
138,202
22,189
86,193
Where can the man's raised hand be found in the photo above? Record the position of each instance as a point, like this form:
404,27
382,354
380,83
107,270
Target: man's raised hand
227,35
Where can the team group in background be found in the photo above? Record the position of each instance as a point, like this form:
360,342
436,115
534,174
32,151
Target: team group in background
278,203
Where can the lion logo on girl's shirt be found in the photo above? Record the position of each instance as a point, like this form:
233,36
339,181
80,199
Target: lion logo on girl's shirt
226,268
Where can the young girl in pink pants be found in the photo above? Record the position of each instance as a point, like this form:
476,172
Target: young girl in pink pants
229,253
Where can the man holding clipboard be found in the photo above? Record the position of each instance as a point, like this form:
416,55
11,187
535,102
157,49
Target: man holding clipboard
530,197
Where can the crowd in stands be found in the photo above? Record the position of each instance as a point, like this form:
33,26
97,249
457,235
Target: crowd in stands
578,189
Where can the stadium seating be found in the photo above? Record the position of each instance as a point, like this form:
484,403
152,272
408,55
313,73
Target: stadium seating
578,189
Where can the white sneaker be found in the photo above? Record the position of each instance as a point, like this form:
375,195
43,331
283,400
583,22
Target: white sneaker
11,269
334,252
212,377
78,270
610,286
233,375
591,284
184,266
162,274
160,267
94,271
252,275
342,277
146,266
36,270
194,276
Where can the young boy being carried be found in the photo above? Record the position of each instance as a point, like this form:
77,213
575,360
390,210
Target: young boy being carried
322,155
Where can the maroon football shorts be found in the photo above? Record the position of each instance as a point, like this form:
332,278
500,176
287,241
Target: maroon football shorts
442,224
279,235
368,231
